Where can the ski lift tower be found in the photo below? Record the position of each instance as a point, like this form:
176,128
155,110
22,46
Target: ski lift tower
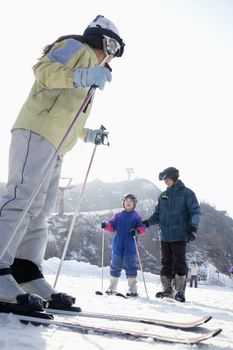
64,184
130,171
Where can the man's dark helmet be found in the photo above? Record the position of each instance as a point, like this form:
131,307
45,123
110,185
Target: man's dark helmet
171,173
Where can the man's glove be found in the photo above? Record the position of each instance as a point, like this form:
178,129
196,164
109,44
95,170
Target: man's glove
146,222
86,77
192,233
103,224
97,136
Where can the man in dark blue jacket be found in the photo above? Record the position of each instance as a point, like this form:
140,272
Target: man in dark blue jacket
177,213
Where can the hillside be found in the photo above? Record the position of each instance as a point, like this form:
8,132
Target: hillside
100,202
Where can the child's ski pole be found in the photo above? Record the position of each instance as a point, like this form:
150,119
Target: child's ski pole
140,263
102,267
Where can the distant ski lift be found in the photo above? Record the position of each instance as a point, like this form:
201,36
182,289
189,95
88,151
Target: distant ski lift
130,171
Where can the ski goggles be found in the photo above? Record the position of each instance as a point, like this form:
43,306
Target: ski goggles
111,46
162,175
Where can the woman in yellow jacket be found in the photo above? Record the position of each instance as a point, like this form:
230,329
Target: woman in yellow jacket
67,69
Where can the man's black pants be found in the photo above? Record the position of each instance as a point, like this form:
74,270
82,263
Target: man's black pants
173,258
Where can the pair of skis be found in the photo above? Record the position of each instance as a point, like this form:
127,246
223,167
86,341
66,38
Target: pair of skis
74,311
46,318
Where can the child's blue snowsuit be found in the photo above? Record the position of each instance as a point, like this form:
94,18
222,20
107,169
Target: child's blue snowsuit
124,253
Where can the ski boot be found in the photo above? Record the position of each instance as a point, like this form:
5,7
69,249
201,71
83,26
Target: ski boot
180,284
167,289
31,280
113,285
132,283
44,289
14,298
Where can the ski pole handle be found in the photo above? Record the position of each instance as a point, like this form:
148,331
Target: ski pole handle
105,141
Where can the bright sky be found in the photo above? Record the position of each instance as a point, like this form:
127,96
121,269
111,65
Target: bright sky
170,100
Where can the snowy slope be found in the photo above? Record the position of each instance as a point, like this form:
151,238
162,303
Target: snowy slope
82,280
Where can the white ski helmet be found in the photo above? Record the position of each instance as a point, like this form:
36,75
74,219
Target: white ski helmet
102,26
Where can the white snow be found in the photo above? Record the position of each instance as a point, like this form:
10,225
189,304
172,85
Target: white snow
82,280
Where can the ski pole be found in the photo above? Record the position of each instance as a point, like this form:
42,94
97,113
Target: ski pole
50,163
74,218
76,211
102,267
140,263
102,264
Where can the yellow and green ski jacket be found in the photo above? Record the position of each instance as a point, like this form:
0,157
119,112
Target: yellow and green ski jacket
54,100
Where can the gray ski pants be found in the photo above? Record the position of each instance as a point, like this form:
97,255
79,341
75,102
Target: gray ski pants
28,160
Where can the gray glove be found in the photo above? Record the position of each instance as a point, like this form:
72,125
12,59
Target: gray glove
86,77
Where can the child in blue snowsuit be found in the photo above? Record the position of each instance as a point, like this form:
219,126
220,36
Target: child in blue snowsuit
126,224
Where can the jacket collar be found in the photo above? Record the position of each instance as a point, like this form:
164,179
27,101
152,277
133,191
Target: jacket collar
176,186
